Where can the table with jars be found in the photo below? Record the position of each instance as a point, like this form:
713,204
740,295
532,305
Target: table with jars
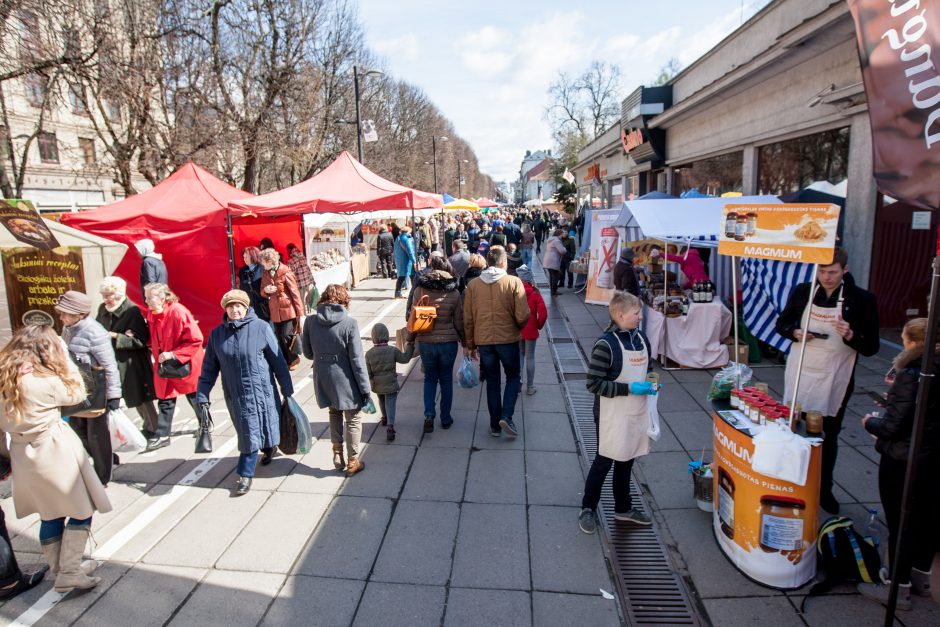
765,526
692,328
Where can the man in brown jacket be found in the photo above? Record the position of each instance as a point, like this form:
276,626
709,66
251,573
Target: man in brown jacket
494,311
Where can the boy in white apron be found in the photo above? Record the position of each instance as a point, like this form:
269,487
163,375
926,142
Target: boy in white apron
843,323
617,377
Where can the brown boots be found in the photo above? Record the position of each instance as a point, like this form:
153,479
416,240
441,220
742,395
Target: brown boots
65,561
355,465
338,460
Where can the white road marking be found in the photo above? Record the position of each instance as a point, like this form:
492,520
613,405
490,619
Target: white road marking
51,598
364,331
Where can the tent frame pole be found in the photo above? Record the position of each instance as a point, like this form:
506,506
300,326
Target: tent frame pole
917,437
231,247
734,304
803,326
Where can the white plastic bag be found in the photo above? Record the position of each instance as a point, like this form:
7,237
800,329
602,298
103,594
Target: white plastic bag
125,437
651,404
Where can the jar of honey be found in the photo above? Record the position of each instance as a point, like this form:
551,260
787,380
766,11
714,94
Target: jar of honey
814,422
735,399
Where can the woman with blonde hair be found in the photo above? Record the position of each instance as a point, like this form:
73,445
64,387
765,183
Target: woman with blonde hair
52,473
176,345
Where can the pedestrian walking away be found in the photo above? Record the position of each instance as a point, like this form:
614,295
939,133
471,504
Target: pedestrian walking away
341,380
552,261
245,351
384,246
383,376
406,263
843,323
130,339
495,310
176,342
88,342
530,332
53,475
617,378
438,346
152,267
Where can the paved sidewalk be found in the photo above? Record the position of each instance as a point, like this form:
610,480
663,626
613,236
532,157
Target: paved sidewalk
449,528
726,597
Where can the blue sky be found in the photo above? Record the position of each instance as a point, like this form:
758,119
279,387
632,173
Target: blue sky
487,64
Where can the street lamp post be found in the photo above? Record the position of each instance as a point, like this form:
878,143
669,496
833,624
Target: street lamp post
358,109
458,175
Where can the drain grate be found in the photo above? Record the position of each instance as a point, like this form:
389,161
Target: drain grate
650,591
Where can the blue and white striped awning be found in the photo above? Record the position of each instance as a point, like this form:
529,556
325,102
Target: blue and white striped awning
767,285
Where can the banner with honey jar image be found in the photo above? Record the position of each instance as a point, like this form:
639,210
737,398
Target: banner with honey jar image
803,233
765,526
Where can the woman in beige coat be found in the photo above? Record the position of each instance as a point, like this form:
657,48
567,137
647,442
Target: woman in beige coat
52,473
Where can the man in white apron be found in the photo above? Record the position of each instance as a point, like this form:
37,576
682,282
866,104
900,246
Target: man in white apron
617,377
843,322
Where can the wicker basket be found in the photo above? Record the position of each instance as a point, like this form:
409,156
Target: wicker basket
703,489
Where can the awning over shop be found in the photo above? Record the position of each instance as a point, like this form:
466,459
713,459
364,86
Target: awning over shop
462,204
344,186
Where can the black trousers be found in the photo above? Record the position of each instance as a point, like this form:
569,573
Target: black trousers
621,484
920,543
832,425
165,415
283,331
96,438
385,266
554,280
565,275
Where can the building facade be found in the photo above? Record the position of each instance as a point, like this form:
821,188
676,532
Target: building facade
534,178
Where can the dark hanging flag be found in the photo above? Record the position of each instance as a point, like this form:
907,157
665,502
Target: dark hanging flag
899,50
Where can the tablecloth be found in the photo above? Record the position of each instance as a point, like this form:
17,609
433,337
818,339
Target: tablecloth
693,340
337,274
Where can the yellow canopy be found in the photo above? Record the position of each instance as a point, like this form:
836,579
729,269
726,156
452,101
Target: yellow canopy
462,204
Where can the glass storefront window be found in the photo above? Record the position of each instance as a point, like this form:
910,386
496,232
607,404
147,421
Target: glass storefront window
712,177
790,166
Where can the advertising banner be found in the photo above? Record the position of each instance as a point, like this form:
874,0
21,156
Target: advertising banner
896,39
789,232
22,220
34,280
605,250
766,526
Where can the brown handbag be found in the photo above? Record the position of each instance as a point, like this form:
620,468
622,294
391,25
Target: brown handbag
421,318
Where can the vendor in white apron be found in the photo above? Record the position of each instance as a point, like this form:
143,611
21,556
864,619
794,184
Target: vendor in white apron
617,376
843,322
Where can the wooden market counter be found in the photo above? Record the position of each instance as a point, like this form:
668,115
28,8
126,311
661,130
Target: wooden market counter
766,527
359,263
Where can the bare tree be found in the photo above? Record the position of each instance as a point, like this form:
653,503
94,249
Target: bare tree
667,72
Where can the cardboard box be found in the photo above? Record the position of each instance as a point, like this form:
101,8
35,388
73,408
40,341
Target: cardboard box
742,353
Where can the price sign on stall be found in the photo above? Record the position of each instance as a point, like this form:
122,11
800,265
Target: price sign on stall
803,233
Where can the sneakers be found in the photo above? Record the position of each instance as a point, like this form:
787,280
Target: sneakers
587,521
390,434
879,592
157,443
530,390
633,515
243,485
429,424
508,427
497,432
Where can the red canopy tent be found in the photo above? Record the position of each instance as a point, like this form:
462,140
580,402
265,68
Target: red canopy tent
185,216
344,186
486,202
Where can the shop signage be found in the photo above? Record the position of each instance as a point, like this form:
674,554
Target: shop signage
631,139
791,232
895,40
22,220
34,280
766,526
605,250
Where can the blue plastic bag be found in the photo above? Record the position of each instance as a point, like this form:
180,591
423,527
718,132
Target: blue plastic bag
469,374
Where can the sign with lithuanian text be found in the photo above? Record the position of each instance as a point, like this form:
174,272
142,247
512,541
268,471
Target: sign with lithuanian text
34,280
804,233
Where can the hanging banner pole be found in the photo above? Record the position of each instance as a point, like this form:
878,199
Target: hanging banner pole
734,304
803,326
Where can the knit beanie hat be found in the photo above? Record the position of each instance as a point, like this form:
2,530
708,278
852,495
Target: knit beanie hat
379,333
525,274
72,302
235,296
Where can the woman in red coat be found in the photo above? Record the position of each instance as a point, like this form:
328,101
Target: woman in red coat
530,332
175,340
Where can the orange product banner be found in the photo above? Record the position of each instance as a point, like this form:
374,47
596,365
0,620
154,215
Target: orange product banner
788,232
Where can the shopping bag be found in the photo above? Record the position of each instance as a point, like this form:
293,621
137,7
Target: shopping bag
651,404
401,339
469,374
125,437
295,428
369,407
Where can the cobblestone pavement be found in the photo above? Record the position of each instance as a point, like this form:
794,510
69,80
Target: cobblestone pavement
448,528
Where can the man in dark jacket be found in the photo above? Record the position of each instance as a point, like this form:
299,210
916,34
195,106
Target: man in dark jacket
843,322
152,268
384,247
625,278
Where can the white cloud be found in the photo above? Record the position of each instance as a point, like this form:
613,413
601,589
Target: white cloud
405,47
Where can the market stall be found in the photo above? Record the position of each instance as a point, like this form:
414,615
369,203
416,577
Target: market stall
693,340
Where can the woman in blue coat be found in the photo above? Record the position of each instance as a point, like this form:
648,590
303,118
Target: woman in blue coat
243,348
405,262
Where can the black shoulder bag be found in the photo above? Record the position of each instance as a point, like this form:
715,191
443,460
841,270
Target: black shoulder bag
96,386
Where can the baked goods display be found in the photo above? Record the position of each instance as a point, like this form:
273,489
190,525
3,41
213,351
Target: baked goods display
326,259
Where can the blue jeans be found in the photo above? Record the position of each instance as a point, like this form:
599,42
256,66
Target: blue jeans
387,407
527,257
492,356
438,361
51,530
